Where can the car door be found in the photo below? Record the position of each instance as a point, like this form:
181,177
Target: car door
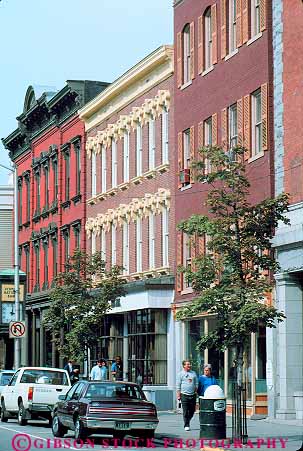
73,404
11,394
63,406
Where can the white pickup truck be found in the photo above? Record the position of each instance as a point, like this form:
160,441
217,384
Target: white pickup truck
32,393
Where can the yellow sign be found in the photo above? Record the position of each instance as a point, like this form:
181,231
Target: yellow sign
8,294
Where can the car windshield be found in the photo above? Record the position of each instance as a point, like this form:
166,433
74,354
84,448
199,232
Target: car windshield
44,377
121,391
5,378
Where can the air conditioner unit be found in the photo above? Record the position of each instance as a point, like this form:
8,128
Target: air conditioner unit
184,176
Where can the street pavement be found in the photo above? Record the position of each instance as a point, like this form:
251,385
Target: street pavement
263,435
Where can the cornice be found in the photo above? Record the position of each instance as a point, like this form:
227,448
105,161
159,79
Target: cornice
152,62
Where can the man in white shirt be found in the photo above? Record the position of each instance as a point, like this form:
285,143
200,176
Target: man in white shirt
99,371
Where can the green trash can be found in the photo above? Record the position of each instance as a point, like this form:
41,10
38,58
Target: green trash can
212,417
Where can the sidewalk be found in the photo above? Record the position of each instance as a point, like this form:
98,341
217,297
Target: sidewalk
262,434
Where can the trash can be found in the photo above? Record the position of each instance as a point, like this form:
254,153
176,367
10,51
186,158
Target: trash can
212,415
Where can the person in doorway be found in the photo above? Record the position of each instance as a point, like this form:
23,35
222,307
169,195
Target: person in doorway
99,371
69,367
206,380
117,369
187,384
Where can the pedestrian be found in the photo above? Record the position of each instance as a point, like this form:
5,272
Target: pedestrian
75,376
187,384
206,380
99,371
117,369
69,367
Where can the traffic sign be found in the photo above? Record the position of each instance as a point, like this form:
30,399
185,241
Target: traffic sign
17,329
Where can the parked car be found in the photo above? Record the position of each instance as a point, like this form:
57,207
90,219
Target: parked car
5,377
113,408
32,393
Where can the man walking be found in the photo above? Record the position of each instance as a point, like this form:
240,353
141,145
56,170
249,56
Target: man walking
187,384
99,371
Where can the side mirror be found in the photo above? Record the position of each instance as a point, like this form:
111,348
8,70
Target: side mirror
61,397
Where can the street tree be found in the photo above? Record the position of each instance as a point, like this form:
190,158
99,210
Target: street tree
81,296
231,279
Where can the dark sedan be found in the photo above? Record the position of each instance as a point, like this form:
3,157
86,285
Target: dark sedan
111,408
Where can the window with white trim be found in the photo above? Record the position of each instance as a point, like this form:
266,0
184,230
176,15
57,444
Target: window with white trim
186,54
125,252
207,141
165,237
186,149
93,243
94,175
151,143
126,156
103,169
187,259
164,136
103,244
233,130
207,40
255,18
114,164
139,150
151,241
114,245
139,245
256,125
232,15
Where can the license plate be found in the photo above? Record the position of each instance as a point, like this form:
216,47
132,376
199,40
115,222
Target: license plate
122,426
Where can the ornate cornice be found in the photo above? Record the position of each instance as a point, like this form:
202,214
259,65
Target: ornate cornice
150,108
137,208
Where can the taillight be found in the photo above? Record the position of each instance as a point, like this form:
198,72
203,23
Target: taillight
30,393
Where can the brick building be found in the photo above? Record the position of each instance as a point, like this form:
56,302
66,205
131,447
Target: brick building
48,148
285,344
223,96
130,216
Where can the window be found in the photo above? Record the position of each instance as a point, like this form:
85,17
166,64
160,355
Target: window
103,244
37,192
255,17
139,150
126,156
77,148
103,169
232,26
207,40
147,346
77,235
114,164
233,130
151,241
94,175
27,267
28,199
114,246
151,143
125,253
55,255
186,54
165,237
187,257
55,178
20,200
93,243
67,175
186,149
139,245
37,253
66,246
207,141
45,246
46,180
165,136
256,125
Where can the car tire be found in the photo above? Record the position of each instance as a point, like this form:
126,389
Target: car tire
57,427
3,417
22,421
81,432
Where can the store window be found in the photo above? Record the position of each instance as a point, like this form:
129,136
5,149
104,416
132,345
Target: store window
110,343
147,346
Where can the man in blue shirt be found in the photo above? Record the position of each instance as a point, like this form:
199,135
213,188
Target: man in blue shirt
206,380
117,370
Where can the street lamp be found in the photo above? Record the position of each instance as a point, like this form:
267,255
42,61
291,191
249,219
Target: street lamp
17,344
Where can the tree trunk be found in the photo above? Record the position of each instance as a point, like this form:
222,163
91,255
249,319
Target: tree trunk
240,351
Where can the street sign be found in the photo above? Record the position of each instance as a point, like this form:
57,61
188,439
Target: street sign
17,329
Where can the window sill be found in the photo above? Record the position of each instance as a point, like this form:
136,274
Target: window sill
184,188
123,186
230,55
92,200
76,199
66,204
137,180
254,38
163,168
188,290
186,85
256,157
207,71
